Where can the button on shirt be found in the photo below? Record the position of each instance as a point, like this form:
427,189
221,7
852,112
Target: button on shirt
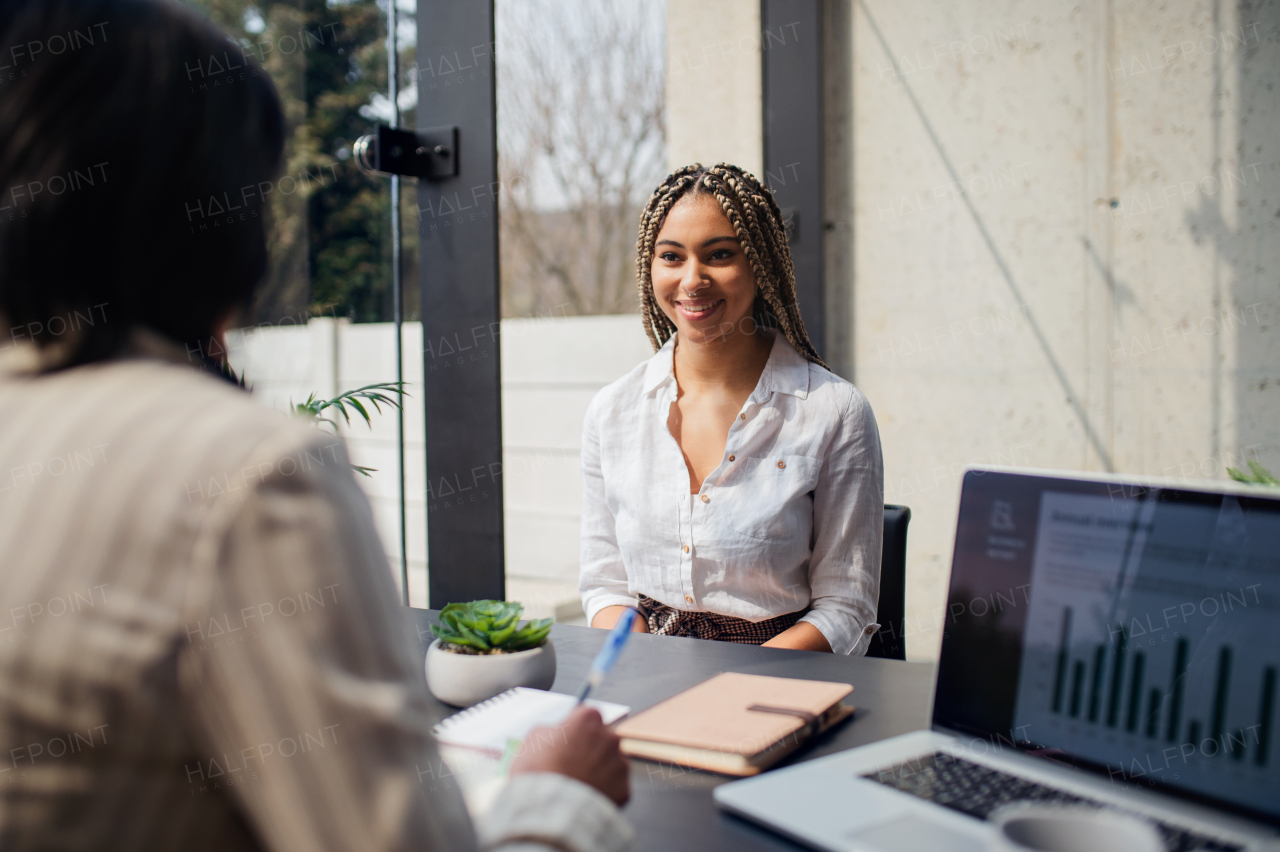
791,518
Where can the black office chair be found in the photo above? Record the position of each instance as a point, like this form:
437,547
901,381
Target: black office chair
889,643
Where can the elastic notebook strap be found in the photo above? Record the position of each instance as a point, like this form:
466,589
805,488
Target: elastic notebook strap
809,718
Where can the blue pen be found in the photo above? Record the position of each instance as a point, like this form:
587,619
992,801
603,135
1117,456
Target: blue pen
608,655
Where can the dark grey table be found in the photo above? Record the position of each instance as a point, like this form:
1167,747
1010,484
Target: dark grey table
671,807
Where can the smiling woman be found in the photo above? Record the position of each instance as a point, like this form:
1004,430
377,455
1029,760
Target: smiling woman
732,485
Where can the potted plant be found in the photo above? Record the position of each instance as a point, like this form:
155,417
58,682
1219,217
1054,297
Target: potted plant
481,649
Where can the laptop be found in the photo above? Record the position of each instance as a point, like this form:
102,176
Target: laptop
1108,641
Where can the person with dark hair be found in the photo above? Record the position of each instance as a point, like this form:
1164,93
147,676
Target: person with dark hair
108,160
201,646
732,484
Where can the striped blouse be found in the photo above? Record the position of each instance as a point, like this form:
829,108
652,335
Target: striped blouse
201,646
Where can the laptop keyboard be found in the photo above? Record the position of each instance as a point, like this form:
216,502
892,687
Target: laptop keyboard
976,791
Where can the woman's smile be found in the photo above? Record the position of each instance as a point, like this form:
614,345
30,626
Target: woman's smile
698,309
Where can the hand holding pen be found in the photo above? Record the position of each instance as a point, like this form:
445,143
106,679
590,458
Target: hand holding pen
587,751
580,747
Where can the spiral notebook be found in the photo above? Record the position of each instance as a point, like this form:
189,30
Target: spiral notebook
511,715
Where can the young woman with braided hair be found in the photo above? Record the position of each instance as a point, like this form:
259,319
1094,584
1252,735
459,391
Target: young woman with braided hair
732,485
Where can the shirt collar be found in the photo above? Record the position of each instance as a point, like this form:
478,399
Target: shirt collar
661,367
786,371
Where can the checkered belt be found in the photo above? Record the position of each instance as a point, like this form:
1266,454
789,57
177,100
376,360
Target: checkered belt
668,621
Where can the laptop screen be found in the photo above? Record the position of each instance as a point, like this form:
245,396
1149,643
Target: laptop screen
1131,630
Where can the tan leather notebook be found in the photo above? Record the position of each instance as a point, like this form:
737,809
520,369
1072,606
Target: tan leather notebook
738,724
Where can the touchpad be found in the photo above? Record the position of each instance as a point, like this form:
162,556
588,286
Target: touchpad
916,833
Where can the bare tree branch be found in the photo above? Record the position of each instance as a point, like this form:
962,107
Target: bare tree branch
580,145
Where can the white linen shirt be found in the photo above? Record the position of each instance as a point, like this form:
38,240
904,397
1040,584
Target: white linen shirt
793,516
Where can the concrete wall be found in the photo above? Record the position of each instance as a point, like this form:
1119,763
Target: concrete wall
714,111
1053,234
1066,222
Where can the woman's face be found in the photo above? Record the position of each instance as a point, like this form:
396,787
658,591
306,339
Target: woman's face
701,278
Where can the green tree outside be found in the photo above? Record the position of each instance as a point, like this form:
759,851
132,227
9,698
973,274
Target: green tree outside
330,229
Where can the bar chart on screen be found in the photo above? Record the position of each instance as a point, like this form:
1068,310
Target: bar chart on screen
1148,641
1113,685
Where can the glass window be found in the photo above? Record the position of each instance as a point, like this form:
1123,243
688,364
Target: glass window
581,145
321,325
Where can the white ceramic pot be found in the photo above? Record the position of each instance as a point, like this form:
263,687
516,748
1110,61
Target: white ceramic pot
466,679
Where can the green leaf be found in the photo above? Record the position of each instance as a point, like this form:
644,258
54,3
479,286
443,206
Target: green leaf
450,617
476,639
447,635
355,403
1261,474
530,638
470,642
1257,475
377,398
507,620
490,625
533,629
375,393
498,638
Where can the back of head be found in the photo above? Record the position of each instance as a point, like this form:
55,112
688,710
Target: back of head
109,141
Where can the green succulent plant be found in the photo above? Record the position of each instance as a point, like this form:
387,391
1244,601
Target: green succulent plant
489,627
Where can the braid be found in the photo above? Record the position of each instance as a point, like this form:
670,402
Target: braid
757,223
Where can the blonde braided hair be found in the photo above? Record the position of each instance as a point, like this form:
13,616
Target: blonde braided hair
757,223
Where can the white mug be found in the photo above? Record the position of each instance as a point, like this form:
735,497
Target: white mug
1030,827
